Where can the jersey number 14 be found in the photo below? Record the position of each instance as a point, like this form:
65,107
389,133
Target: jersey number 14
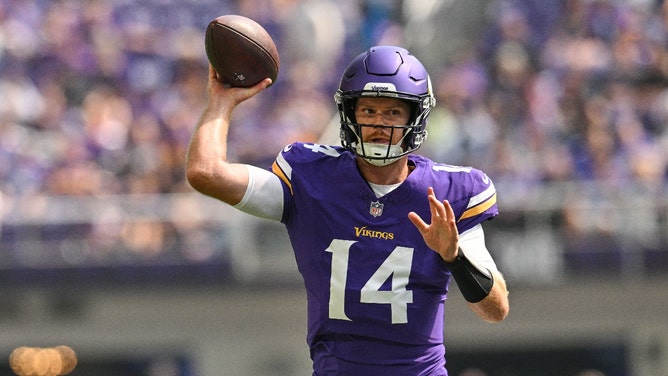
396,266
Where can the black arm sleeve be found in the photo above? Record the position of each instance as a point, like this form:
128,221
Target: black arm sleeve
474,282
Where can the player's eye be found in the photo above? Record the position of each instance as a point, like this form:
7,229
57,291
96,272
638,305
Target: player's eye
388,115
366,112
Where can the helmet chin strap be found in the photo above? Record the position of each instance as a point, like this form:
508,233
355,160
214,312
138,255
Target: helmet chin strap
382,154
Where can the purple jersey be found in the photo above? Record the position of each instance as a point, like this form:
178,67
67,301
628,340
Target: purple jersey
375,291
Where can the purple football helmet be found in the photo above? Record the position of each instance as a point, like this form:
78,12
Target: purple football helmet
385,71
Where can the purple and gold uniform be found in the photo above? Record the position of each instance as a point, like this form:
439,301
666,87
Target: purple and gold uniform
376,292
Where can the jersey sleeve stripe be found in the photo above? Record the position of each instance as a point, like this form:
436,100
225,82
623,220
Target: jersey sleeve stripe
282,169
283,164
475,210
482,196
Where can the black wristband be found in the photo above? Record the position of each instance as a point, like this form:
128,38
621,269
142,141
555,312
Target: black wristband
475,282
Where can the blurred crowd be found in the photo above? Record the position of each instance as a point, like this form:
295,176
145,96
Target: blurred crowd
560,91
101,96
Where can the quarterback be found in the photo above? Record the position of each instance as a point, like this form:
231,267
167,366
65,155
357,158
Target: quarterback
378,231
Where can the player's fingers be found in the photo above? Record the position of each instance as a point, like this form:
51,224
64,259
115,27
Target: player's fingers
263,84
449,213
215,78
436,207
451,219
255,89
240,94
247,93
216,83
418,222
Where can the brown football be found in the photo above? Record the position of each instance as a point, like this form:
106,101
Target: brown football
241,51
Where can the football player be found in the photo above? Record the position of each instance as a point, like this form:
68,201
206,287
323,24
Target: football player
378,231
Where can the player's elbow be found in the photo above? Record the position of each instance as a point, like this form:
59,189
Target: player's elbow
497,304
494,308
198,178
498,314
492,313
216,181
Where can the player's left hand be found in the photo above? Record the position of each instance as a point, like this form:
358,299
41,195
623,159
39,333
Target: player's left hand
441,234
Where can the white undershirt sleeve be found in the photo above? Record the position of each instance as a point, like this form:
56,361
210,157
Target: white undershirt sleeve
264,195
472,242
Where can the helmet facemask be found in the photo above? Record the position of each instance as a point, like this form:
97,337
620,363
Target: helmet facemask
413,133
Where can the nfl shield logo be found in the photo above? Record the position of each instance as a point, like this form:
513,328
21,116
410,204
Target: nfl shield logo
376,209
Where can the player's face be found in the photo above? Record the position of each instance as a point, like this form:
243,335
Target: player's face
383,112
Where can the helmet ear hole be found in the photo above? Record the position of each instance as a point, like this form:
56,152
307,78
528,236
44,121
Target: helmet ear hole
419,138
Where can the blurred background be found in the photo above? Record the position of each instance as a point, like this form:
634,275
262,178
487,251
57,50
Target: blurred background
105,248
